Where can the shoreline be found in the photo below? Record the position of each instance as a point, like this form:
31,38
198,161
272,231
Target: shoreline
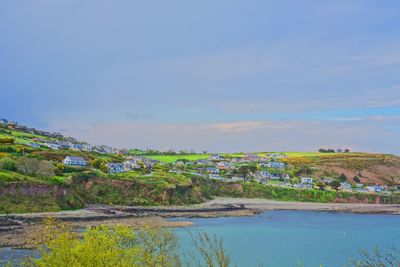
268,205
17,230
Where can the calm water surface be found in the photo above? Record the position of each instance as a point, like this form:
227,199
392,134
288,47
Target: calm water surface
284,238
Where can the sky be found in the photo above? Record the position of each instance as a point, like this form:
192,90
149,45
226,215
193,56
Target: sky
219,76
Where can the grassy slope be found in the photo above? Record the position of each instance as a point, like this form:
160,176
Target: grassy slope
172,158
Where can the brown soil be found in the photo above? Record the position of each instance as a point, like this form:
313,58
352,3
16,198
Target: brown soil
371,168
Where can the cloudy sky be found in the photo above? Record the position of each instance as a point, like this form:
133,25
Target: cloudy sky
211,75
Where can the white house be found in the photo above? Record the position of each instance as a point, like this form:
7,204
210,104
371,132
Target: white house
131,165
275,176
34,145
74,161
276,165
212,170
362,190
305,186
52,146
75,146
216,157
87,147
306,180
252,157
223,165
115,168
265,174
216,177
371,189
345,186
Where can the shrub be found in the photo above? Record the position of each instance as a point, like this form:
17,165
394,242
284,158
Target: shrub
7,140
7,148
103,167
45,168
97,163
72,169
83,176
378,258
122,246
356,179
7,164
59,169
27,165
342,177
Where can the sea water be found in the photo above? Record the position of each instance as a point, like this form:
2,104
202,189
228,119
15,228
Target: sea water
286,238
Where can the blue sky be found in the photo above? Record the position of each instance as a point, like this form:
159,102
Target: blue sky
208,75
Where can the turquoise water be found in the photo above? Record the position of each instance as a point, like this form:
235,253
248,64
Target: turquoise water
283,238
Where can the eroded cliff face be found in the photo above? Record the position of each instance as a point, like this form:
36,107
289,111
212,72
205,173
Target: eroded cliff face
33,190
29,197
364,199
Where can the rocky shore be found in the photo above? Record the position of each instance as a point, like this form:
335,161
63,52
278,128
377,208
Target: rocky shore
19,230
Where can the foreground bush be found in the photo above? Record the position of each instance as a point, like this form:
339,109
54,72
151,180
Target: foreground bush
122,246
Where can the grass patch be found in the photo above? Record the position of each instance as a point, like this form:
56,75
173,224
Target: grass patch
173,158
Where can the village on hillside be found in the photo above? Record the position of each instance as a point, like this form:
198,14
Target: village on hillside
269,169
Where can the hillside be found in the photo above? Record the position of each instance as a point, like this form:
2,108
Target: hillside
370,168
36,176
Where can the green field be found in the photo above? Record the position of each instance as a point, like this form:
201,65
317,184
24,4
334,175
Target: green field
192,157
173,158
22,137
318,154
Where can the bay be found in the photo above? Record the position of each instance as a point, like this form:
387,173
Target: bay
286,238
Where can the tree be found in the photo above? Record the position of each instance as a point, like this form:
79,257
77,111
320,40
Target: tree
7,140
356,179
59,169
97,163
209,251
304,170
294,180
8,164
335,185
252,168
45,168
342,178
27,165
244,171
104,167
